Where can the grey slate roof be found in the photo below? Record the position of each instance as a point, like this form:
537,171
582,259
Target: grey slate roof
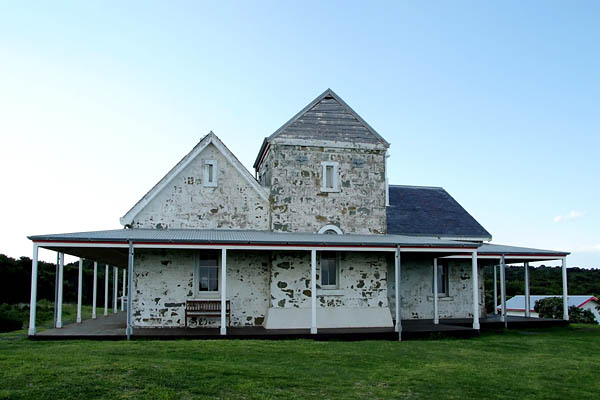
245,236
328,118
429,211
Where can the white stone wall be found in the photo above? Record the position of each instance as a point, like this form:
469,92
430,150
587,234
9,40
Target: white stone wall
259,282
164,280
188,204
416,289
293,175
362,281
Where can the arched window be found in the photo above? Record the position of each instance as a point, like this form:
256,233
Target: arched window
331,230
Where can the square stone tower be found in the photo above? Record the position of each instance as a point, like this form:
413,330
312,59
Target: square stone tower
325,170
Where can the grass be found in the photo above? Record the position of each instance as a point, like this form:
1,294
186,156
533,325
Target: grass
546,364
45,316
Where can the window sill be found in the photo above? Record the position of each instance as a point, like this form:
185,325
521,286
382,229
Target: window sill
441,297
207,296
326,190
330,292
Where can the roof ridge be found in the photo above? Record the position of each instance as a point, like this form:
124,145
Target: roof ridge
417,187
327,93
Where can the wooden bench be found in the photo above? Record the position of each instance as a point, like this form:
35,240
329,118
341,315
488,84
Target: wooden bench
206,308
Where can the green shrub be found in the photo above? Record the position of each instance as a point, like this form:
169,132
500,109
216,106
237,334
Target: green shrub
11,318
581,316
552,307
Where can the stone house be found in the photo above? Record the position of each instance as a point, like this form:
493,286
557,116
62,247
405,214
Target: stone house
317,238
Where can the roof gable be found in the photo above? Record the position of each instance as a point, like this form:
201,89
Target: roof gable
326,119
210,138
430,211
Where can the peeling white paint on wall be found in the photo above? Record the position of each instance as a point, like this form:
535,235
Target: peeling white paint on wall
416,289
188,204
164,280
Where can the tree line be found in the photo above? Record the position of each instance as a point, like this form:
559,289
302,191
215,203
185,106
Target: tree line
15,281
542,281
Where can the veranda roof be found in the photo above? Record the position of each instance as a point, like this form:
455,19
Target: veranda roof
111,246
246,237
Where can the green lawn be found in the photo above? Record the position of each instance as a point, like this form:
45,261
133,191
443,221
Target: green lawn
546,364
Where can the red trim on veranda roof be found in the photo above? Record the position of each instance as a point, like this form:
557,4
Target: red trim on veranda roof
252,244
523,254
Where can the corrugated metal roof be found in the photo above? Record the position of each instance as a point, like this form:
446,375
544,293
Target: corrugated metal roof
245,236
517,303
430,211
490,248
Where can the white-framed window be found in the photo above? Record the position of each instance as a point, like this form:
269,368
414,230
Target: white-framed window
210,173
443,281
206,276
329,265
330,181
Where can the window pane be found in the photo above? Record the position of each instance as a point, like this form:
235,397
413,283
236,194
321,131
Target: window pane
324,275
329,176
328,269
332,274
209,167
208,278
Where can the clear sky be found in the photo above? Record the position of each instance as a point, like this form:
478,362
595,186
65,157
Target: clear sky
498,102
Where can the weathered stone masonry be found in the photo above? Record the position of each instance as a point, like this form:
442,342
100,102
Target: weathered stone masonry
293,175
417,289
188,204
164,280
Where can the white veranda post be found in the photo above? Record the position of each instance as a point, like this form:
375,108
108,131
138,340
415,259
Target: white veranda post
565,294
95,291
106,291
33,298
475,291
123,291
129,329
115,288
503,291
223,292
61,266
79,287
495,289
313,291
527,297
398,273
436,319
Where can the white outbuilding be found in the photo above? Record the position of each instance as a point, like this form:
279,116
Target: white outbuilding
516,305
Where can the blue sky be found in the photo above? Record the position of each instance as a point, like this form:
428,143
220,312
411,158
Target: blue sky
498,102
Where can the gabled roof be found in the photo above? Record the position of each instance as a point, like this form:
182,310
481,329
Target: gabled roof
210,138
326,119
517,303
430,211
